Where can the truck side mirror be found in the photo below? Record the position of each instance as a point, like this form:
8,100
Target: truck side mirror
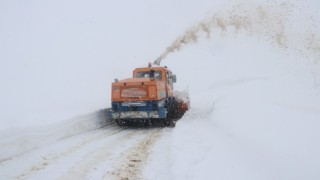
174,78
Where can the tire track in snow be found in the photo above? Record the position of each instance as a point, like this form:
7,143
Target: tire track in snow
41,158
135,158
107,153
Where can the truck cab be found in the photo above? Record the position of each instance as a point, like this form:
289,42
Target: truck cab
147,83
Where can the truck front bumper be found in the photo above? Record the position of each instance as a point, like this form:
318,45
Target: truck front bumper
135,115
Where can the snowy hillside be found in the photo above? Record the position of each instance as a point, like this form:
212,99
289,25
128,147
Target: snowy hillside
252,70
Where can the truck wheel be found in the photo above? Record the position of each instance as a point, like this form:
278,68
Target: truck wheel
171,123
119,122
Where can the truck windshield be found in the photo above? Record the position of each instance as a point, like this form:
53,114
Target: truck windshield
146,74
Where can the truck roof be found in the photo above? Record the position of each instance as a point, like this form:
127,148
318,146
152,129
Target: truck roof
149,68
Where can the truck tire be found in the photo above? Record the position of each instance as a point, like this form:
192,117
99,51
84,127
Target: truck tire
170,122
120,122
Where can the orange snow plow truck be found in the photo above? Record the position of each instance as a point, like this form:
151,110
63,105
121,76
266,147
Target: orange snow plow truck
148,97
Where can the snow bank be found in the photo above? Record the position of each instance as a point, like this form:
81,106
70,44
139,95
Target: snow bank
17,141
250,132
246,125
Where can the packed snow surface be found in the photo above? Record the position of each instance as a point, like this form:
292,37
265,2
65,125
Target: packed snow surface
252,70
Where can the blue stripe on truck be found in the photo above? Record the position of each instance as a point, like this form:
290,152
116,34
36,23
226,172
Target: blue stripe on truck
149,107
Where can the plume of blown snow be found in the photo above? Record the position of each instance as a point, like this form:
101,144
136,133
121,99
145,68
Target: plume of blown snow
269,21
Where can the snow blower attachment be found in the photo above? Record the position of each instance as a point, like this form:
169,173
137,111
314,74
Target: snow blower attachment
148,97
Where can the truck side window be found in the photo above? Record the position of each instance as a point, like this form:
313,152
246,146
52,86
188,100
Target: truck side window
169,78
157,75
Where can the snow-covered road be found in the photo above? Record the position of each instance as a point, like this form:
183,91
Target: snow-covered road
110,152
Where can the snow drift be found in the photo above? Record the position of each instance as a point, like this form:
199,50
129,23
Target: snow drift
19,141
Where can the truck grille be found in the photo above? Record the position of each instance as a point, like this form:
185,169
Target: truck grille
133,93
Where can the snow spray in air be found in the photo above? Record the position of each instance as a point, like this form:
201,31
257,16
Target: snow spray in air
268,21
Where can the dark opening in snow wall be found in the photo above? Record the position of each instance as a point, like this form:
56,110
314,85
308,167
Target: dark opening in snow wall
272,21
